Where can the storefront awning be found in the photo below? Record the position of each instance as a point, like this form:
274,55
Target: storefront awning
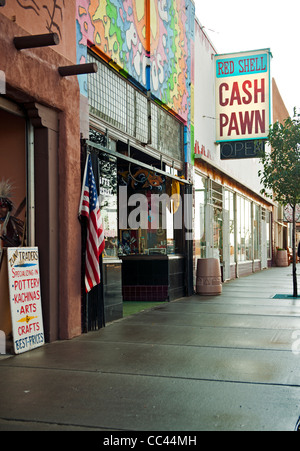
93,147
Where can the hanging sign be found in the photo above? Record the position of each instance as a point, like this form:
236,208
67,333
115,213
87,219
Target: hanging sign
288,213
234,150
25,298
243,96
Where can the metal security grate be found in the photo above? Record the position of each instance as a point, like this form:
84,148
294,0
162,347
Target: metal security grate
107,96
116,101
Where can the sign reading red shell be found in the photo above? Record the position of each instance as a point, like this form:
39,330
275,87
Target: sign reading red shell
243,95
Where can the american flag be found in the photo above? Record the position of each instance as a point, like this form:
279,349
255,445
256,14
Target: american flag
89,207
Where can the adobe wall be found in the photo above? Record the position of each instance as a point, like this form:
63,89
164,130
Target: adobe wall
32,80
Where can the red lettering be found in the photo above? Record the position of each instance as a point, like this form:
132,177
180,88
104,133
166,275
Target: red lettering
224,120
220,66
260,121
235,94
246,122
223,86
247,100
233,125
258,91
28,329
226,68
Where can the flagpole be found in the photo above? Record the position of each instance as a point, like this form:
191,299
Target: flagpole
82,189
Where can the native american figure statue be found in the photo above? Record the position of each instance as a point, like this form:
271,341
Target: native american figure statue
11,228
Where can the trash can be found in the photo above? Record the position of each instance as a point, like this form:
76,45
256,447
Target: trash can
282,258
208,280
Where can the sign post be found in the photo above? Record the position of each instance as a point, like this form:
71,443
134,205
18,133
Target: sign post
25,298
242,101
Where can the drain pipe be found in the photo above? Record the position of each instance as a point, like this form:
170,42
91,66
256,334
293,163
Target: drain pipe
30,207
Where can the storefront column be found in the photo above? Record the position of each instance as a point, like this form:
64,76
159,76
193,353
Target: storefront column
45,122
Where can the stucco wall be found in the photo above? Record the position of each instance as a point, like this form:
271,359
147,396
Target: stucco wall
32,79
46,16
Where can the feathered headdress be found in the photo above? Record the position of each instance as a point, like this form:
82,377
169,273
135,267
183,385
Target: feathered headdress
6,193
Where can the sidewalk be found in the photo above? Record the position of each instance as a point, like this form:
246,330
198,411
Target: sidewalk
197,364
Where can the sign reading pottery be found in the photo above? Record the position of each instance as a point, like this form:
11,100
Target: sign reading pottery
25,298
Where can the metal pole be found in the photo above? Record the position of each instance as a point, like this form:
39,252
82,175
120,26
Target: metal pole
30,213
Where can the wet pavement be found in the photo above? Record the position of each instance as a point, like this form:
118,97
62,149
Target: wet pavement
230,362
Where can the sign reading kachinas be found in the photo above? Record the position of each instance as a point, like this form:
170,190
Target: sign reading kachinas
243,96
25,298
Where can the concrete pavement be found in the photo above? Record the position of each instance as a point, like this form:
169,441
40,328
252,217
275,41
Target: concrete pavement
230,362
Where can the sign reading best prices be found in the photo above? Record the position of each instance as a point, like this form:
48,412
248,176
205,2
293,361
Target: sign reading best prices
25,298
243,95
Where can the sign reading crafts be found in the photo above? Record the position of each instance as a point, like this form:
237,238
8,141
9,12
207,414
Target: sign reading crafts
242,102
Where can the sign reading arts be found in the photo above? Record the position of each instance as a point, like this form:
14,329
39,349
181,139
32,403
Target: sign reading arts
25,298
243,96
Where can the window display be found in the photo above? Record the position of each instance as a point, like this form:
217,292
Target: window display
244,234
200,201
159,237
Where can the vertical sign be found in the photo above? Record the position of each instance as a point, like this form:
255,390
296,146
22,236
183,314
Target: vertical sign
25,298
243,96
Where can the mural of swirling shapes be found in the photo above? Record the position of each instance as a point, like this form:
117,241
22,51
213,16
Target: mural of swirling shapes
118,29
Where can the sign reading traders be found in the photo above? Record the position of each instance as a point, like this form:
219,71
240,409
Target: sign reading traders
243,96
25,298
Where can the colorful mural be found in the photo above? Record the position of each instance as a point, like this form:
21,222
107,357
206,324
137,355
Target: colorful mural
122,31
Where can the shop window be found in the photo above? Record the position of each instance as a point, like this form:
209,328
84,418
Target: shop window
229,206
157,232
244,235
256,232
268,234
199,226
109,203
108,194
217,202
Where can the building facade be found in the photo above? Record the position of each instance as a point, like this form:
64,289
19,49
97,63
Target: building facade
233,220
137,119
147,117
40,150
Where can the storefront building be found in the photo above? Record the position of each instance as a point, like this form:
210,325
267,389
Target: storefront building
147,117
39,151
136,122
233,221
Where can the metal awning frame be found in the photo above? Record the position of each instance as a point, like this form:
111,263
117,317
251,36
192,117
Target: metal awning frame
95,148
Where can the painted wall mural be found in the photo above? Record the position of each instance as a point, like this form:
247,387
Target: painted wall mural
118,30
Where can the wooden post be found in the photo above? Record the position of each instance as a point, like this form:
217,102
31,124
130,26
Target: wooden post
78,69
39,40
